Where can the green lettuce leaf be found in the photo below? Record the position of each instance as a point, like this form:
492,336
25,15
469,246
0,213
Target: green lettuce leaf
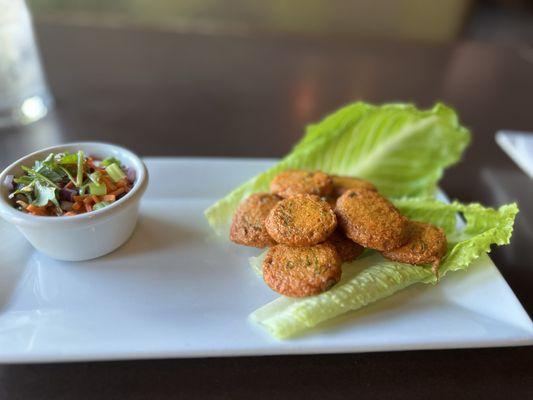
401,149
372,278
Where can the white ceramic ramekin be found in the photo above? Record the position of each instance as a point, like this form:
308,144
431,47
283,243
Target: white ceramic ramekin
84,236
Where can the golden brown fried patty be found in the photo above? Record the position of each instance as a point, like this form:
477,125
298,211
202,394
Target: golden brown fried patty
248,225
343,183
292,182
332,201
348,250
302,220
426,245
301,271
371,220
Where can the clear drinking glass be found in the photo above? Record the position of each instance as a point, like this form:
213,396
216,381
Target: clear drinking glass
24,94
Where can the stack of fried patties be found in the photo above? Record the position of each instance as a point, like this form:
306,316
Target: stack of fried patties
314,222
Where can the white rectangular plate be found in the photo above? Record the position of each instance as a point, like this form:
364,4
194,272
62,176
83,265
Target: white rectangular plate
518,146
174,291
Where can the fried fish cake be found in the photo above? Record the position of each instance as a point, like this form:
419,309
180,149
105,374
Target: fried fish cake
248,225
426,244
371,220
302,220
343,183
302,271
292,182
332,201
348,250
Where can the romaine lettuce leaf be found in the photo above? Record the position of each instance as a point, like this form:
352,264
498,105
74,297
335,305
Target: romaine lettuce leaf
399,148
372,278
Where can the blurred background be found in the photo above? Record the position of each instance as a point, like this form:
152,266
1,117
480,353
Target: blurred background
284,62
262,70
507,21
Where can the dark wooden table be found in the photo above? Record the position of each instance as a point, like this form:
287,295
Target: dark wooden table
165,93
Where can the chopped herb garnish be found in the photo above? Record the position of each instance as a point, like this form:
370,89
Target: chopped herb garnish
68,174
68,158
44,194
79,176
68,184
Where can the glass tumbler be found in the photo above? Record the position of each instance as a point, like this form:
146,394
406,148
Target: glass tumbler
24,94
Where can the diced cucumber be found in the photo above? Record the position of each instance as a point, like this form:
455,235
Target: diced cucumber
115,172
98,189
